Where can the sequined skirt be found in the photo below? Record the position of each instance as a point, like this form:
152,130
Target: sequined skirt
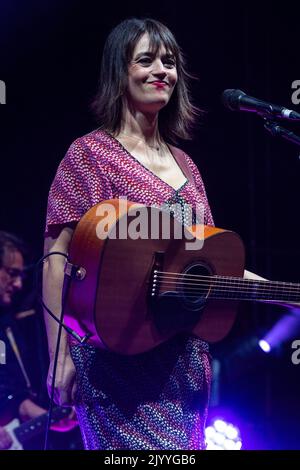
152,401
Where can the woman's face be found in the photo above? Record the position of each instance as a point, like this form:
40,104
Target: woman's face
151,78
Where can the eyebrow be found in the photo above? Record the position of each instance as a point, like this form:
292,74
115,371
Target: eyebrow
151,54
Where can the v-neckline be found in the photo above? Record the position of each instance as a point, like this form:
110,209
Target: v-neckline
148,169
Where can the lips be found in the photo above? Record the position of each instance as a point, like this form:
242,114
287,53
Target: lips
159,84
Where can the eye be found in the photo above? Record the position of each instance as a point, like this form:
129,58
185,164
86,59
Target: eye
145,60
14,273
170,63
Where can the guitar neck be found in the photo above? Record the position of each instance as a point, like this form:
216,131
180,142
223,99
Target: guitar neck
248,289
37,425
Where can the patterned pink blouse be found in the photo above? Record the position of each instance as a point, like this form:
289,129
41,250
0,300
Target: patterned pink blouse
158,399
97,167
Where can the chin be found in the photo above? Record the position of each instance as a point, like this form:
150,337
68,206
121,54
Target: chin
155,106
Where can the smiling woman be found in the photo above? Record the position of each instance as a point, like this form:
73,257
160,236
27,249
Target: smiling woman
151,78
158,399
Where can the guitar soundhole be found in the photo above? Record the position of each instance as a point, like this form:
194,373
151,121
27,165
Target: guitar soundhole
195,285
181,308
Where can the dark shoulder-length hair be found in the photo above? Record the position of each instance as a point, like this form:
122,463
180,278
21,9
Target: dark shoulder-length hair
177,118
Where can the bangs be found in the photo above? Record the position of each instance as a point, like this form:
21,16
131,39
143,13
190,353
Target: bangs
159,36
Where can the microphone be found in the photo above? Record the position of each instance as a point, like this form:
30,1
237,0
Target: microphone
237,100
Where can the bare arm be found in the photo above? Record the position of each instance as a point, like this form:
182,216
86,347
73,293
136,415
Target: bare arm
53,276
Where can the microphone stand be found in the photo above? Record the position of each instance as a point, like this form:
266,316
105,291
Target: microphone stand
280,131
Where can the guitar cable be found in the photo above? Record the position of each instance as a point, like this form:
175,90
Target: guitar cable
80,339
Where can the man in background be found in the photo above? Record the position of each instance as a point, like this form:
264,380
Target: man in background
17,399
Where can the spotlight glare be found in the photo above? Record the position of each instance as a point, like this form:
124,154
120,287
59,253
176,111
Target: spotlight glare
264,345
220,425
231,432
238,445
229,444
210,432
222,435
219,439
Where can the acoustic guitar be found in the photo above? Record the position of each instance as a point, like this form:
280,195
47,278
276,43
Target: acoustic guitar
132,291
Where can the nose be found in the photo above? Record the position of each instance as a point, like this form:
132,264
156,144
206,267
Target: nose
18,282
159,69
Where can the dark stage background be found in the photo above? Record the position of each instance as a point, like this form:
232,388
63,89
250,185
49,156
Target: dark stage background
50,56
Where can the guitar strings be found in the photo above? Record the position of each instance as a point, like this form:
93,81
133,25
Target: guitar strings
237,294
227,294
227,297
224,287
224,283
205,284
263,295
202,288
226,279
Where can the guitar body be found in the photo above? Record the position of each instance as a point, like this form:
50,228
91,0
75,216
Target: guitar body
115,302
10,429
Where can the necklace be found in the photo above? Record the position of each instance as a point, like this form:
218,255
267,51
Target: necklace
154,147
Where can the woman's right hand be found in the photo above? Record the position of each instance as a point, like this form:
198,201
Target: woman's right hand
65,384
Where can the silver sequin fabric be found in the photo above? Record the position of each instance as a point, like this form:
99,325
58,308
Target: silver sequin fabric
152,401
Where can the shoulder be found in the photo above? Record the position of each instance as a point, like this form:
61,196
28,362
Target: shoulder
90,141
97,136
87,148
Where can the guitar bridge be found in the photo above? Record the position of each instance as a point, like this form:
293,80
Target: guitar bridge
154,280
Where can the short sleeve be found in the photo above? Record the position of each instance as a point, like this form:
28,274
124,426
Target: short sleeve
79,184
198,181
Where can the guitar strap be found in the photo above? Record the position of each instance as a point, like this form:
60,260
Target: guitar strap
179,156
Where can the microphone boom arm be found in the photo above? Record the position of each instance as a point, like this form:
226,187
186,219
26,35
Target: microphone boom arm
279,131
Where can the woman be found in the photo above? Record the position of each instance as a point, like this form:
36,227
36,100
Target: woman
158,399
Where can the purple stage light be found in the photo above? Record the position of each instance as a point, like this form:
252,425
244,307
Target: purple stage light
286,327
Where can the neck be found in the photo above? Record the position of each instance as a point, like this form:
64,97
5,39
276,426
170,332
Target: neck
251,289
140,125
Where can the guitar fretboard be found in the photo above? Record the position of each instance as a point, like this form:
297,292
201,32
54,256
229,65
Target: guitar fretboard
249,289
37,425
